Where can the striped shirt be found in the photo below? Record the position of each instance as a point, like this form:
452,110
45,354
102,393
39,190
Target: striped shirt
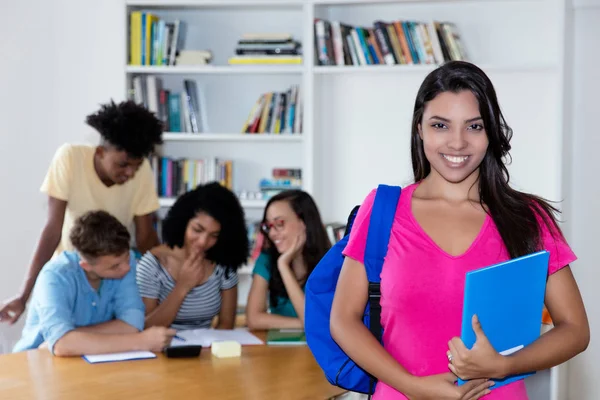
200,305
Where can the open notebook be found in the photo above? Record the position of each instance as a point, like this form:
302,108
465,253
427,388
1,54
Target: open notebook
205,337
113,357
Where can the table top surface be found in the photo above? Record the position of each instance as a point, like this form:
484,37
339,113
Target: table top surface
262,372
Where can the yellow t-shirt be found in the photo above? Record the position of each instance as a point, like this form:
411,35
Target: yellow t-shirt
72,178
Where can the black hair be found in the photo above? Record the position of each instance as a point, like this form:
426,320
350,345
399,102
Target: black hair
98,233
317,241
127,126
231,248
515,213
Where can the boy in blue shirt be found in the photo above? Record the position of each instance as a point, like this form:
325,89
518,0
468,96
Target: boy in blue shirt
87,301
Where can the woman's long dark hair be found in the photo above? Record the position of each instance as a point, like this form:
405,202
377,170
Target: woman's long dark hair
514,213
317,241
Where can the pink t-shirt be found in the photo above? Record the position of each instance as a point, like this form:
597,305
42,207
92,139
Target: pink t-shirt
422,289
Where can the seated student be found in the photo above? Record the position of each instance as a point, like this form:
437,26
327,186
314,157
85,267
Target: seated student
296,242
115,177
86,301
192,279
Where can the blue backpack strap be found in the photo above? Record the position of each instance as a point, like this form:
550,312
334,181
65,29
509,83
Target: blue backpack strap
380,226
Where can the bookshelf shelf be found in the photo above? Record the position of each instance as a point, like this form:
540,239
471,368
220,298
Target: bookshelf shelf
213,3
230,137
216,70
401,69
169,201
396,2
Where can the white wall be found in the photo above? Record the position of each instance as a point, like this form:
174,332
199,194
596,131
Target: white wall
584,370
362,120
61,58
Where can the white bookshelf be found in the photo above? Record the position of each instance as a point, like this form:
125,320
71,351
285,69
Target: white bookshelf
407,69
213,3
230,91
212,69
229,137
356,122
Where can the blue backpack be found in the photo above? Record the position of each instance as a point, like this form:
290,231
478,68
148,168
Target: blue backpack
339,369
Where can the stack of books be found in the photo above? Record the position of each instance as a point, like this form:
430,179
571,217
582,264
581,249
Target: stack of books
286,337
267,48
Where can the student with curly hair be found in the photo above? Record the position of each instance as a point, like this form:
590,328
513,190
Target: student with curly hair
296,241
113,176
86,301
193,278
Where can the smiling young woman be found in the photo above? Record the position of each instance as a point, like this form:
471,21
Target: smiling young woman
296,241
460,214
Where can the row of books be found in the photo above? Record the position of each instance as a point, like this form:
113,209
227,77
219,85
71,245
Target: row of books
267,48
152,41
255,238
180,111
276,112
281,179
174,177
335,231
398,42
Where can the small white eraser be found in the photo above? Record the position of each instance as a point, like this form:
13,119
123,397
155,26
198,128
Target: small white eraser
225,349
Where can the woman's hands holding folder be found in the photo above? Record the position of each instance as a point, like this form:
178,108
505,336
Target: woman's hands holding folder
482,361
443,387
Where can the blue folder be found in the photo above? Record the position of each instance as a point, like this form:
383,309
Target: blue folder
508,299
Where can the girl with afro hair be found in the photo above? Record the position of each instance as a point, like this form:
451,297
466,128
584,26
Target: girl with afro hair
192,278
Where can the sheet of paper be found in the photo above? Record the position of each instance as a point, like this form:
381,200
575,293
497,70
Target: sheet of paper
205,337
112,357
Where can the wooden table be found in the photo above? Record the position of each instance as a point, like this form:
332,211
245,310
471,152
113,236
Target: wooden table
262,372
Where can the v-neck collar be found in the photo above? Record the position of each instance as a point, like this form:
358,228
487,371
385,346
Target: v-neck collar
416,223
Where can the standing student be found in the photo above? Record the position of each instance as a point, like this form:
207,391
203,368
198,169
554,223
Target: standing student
114,176
193,279
86,301
460,215
296,242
